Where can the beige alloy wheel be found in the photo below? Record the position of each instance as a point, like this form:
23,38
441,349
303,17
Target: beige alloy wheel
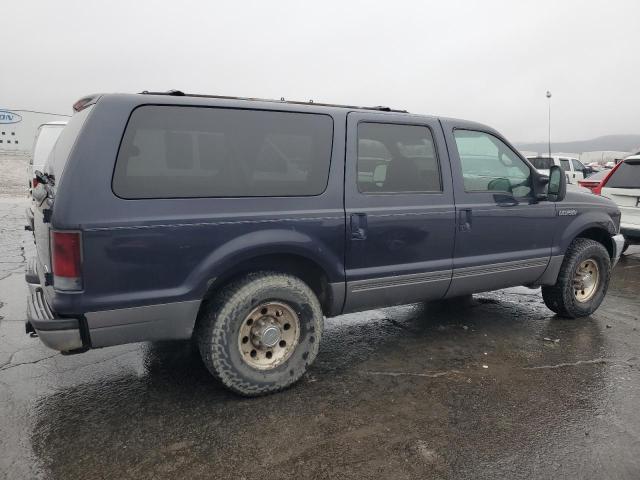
586,280
269,335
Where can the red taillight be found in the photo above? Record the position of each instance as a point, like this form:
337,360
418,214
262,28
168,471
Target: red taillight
66,260
34,182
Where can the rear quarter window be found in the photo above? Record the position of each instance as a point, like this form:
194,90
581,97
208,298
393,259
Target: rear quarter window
626,175
188,152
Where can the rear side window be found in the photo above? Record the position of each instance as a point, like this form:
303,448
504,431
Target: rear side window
564,163
541,163
626,175
173,151
395,158
60,154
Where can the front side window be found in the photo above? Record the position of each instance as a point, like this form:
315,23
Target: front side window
394,158
186,152
489,165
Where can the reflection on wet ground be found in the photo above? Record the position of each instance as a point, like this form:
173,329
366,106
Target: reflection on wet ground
496,387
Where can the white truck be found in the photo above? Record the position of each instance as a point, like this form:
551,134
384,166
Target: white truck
573,168
46,138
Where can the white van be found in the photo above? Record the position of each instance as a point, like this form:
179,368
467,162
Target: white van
623,187
573,167
46,138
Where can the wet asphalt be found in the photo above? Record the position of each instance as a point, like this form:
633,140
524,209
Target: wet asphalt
495,387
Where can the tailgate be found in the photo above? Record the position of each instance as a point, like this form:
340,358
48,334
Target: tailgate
628,200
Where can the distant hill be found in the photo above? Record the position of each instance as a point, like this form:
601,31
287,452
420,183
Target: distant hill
621,143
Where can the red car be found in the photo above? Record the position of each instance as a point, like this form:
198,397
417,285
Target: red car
596,181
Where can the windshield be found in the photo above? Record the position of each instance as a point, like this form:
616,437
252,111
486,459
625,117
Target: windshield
598,175
45,141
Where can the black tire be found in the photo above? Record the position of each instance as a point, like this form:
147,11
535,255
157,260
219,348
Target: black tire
221,318
560,298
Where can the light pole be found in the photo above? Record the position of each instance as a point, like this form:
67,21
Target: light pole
549,97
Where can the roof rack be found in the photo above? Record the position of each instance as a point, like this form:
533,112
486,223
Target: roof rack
178,93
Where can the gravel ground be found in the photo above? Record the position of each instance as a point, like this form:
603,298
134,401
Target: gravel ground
13,175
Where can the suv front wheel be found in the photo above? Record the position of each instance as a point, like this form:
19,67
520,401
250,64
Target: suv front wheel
259,334
582,282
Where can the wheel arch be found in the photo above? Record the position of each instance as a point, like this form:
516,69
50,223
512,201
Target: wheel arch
590,225
600,235
282,251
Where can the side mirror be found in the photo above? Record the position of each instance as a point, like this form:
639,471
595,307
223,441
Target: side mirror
379,174
557,184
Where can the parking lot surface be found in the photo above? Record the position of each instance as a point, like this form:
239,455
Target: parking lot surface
494,387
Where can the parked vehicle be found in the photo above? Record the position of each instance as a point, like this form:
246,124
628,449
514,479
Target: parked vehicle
623,187
573,167
242,223
46,137
594,182
595,166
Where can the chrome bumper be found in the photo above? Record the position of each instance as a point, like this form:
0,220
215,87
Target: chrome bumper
618,244
61,334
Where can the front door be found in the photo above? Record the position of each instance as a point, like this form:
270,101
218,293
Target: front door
400,210
504,235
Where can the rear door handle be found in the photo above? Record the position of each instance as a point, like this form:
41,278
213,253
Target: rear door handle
464,220
358,226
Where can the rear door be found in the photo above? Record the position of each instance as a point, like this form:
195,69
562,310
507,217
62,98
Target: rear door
504,235
623,187
400,210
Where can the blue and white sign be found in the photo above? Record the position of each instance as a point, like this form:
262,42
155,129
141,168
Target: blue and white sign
9,117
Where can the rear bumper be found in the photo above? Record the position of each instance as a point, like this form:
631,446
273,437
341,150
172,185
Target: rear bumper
62,334
618,243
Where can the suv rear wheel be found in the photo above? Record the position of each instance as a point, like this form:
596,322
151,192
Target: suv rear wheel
582,282
259,334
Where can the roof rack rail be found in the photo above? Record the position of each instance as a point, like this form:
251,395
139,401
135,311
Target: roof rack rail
179,93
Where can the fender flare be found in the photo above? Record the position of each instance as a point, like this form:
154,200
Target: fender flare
275,241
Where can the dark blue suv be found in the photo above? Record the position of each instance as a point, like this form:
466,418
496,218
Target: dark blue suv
242,223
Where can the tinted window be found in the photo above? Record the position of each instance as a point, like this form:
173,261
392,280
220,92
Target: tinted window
577,166
489,165
170,151
626,175
58,157
396,158
564,163
541,163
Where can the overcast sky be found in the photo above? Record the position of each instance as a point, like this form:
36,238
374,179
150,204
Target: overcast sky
490,61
